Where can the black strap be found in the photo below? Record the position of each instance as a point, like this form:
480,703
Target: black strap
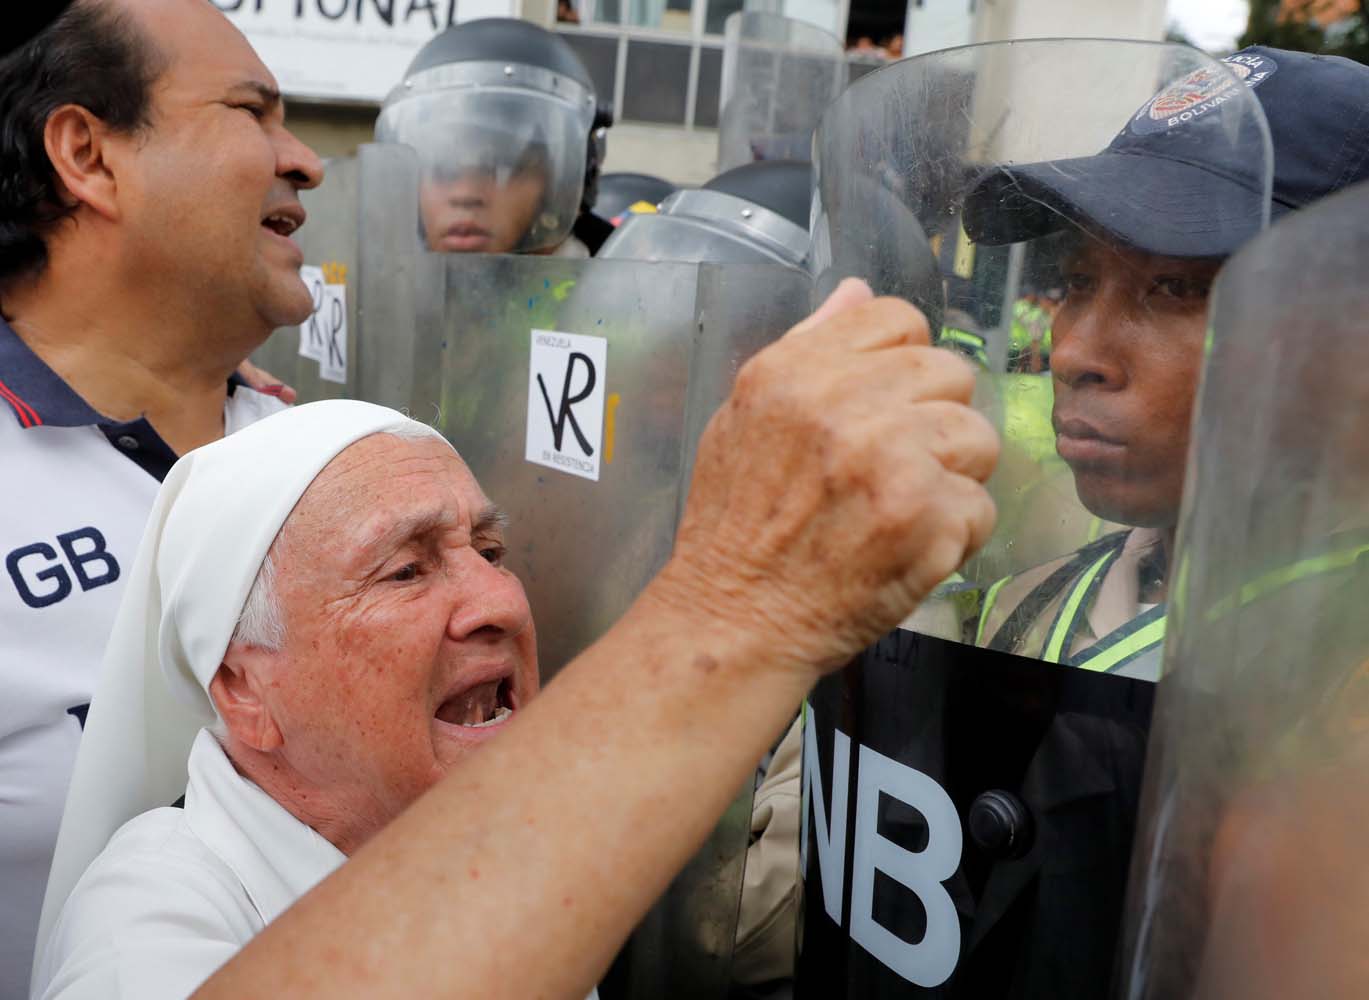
1019,622
592,231
1081,612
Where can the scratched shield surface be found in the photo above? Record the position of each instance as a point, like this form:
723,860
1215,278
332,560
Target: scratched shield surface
971,781
673,336
450,338
1248,879
447,338
361,240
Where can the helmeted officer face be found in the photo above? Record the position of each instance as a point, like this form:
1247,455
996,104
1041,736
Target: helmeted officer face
475,211
1127,352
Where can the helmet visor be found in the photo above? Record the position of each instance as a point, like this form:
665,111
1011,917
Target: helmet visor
503,167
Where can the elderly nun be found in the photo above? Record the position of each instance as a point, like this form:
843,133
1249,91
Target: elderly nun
319,644
318,625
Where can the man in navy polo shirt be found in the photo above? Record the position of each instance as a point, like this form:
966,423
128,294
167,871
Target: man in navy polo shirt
148,190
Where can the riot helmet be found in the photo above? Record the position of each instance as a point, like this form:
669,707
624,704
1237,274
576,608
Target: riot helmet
622,193
502,114
757,212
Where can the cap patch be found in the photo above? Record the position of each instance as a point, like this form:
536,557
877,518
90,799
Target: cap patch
1201,91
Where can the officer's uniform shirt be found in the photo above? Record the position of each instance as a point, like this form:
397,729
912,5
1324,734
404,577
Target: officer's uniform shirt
178,892
1116,604
77,491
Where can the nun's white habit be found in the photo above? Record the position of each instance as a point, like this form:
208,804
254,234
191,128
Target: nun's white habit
152,912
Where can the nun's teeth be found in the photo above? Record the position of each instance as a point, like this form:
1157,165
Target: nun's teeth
500,715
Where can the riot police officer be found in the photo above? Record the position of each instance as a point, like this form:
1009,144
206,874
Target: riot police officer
1127,339
971,810
509,135
756,213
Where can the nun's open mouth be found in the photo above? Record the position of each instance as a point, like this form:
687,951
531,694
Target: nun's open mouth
480,706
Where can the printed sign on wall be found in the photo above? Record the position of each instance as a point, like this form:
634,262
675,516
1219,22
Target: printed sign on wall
566,378
354,50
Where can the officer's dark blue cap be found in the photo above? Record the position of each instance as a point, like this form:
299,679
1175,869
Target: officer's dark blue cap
1184,176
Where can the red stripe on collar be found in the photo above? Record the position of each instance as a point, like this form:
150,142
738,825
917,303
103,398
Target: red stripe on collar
27,415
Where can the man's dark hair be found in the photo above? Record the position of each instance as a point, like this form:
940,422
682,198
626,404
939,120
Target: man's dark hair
93,56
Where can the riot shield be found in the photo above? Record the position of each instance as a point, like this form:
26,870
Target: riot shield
1247,879
593,513
778,75
709,226
970,783
378,298
576,391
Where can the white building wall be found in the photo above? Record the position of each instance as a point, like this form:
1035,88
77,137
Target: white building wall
944,24
937,24
824,13
1143,19
686,156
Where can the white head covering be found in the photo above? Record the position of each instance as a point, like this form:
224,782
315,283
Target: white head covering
211,526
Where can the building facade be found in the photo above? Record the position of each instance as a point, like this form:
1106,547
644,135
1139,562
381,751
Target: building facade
659,62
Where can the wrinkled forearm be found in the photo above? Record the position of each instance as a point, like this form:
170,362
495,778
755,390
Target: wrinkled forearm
522,872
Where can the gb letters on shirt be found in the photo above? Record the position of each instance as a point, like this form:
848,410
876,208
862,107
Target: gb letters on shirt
71,517
43,576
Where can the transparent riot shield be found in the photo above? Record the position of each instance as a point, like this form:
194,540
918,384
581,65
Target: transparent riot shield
970,783
629,359
591,468
1248,879
778,75
378,297
702,225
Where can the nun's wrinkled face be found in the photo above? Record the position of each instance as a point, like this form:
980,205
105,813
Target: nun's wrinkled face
407,641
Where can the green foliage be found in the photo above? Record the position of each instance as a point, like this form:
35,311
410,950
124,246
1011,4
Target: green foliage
1349,38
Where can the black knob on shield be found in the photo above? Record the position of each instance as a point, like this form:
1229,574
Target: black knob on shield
1000,825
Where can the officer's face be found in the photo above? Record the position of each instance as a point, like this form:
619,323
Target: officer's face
404,632
1127,350
473,211
209,191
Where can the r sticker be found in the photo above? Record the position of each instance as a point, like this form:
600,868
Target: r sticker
567,375
323,336
311,330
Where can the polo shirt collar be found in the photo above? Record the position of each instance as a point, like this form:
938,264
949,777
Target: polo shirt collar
39,396
276,857
35,392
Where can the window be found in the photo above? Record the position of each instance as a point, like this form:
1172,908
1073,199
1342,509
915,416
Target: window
657,80
660,60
